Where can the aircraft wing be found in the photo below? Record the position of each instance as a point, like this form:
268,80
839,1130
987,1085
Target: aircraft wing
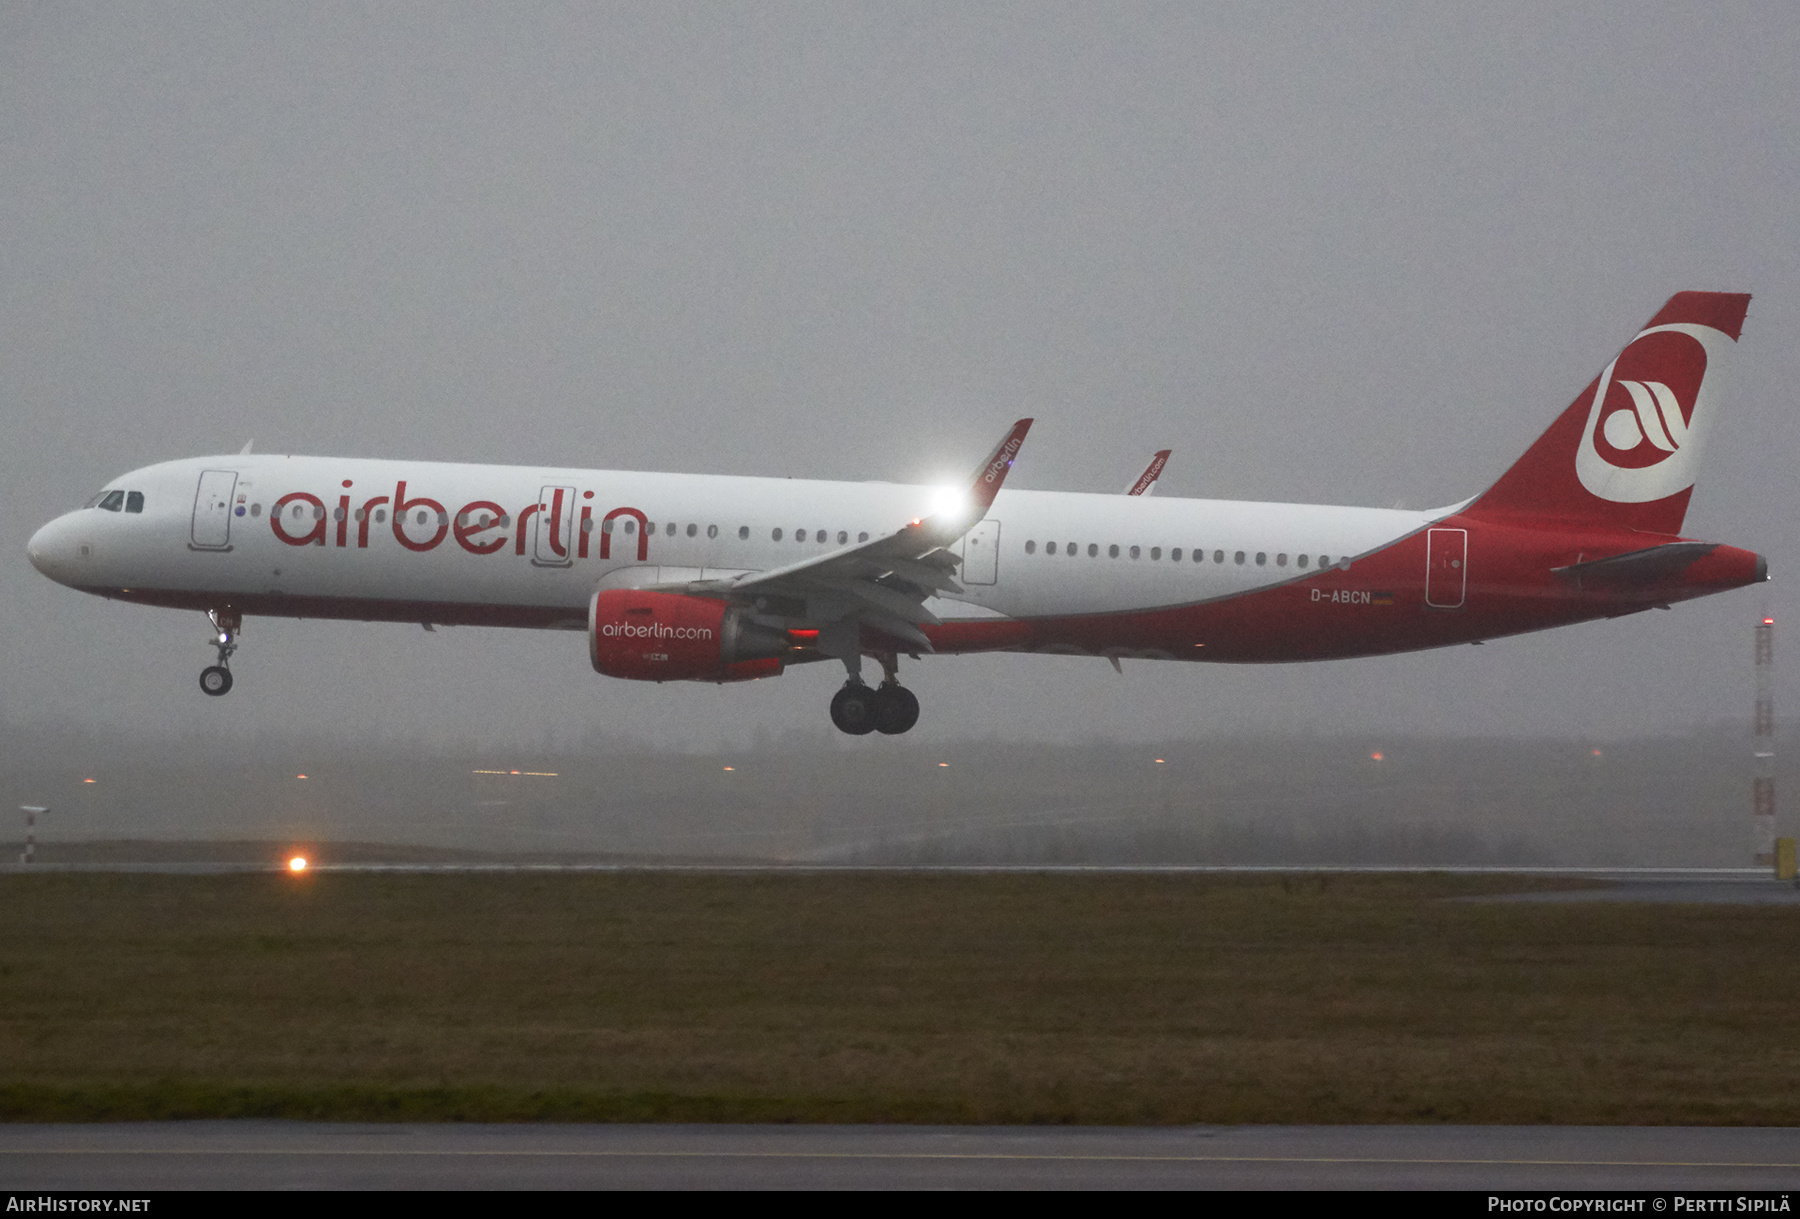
883,583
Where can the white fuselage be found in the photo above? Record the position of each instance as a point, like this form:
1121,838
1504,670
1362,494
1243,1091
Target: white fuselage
335,538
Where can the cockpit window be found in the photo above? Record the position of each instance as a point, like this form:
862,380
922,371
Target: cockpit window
134,501
112,501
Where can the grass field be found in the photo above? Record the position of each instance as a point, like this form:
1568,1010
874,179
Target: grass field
886,997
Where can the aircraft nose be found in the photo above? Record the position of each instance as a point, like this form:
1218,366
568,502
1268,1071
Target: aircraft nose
54,551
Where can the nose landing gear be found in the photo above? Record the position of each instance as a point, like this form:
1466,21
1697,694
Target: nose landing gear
890,709
216,679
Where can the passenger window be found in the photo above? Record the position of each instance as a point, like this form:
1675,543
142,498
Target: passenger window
1134,552
843,536
1174,555
1281,560
712,531
1240,558
1300,560
669,529
775,534
862,537
692,530
1031,548
1093,550
743,533
1156,552
630,525
134,501
1112,552
1219,556
1324,560
112,501
1049,548
1261,558
256,510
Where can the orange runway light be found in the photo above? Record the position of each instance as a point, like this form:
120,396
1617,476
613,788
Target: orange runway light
299,776
87,780
1159,761
731,768
943,764
1376,756
1596,753
297,864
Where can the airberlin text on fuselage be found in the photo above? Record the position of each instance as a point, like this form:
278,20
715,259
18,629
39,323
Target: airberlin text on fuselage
477,526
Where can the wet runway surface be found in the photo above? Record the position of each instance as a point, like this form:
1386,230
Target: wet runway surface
1757,892
299,1155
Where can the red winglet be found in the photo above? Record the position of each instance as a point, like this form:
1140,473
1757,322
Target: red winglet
1151,473
986,483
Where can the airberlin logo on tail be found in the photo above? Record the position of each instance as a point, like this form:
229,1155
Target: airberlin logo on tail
1649,412
1655,417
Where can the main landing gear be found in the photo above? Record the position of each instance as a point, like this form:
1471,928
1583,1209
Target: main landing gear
216,679
890,708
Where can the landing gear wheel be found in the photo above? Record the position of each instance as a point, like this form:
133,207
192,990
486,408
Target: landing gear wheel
853,709
896,709
215,680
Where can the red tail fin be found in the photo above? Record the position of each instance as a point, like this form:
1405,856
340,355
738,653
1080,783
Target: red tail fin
1625,451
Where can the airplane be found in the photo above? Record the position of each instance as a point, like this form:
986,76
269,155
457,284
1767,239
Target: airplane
689,577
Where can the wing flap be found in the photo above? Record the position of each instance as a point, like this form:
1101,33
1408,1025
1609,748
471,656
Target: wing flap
884,583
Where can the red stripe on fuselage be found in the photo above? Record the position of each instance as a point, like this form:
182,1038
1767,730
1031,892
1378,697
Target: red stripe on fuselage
1377,605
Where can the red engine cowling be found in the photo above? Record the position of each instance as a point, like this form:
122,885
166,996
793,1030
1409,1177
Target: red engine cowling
643,636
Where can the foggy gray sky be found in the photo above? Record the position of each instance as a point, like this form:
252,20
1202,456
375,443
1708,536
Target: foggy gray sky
1328,253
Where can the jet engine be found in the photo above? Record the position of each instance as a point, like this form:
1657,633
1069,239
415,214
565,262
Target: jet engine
645,636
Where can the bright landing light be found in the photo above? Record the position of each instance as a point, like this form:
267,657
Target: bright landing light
949,501
297,864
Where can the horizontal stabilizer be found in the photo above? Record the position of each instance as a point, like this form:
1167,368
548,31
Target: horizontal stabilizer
1640,568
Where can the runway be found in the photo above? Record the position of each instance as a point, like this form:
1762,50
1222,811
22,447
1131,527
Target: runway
293,1155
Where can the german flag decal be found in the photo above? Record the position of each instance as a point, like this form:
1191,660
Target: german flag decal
1380,598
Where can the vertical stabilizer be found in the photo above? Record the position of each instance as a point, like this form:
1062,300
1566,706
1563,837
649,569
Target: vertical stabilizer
1625,452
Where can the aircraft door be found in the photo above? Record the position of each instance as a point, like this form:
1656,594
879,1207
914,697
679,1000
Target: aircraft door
981,554
1446,567
212,510
553,534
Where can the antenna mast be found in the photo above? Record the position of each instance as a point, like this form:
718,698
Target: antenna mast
1762,790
